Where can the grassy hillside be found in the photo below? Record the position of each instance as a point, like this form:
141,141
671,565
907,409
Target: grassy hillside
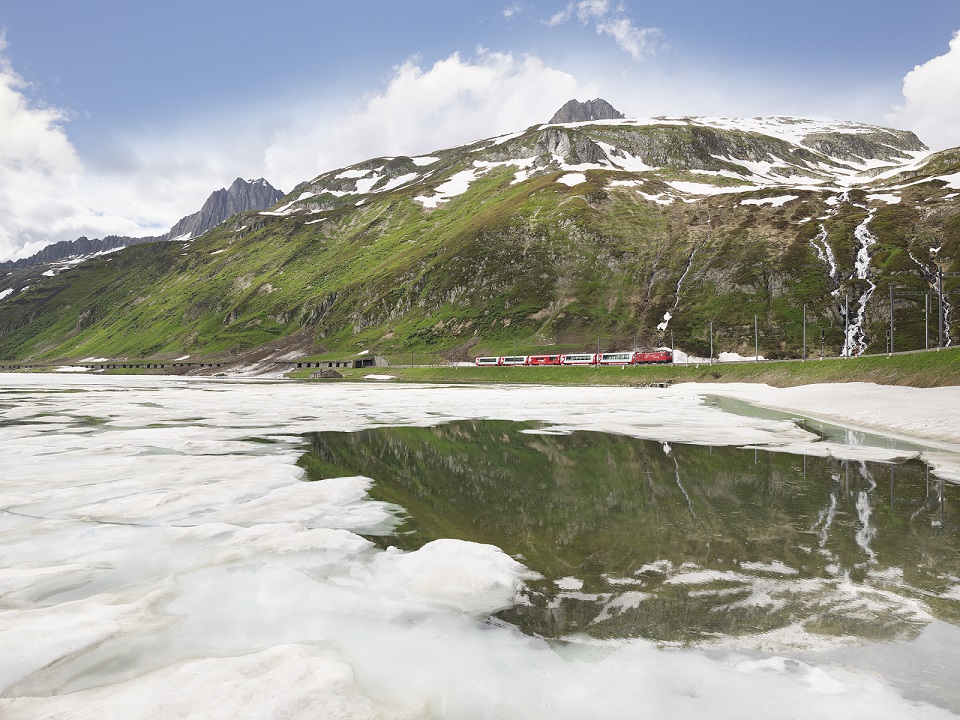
522,260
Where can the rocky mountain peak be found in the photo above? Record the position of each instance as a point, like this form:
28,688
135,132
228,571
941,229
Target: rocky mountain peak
241,196
576,111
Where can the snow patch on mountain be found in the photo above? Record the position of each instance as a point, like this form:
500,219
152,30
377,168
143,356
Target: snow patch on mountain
952,181
458,184
571,179
692,188
352,173
887,198
772,201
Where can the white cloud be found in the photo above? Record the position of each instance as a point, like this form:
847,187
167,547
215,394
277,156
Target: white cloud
453,102
561,17
634,41
35,155
932,100
610,20
511,10
48,193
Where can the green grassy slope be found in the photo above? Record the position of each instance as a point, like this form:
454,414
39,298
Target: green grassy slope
929,369
531,266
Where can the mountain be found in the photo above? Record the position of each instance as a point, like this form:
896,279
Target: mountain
241,196
576,111
561,236
75,250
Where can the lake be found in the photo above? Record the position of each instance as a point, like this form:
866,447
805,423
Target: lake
177,546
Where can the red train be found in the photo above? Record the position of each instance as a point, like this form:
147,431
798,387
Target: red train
614,358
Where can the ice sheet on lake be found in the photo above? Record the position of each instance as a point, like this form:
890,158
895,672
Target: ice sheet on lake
160,556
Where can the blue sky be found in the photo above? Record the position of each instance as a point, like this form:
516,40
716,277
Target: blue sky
121,117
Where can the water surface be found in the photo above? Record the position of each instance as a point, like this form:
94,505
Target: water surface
671,542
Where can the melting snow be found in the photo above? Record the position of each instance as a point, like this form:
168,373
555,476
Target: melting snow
888,198
737,357
569,583
350,174
773,201
424,160
580,167
777,567
506,138
457,184
623,159
572,179
398,181
666,321
4,293
523,163
364,185
952,181
693,188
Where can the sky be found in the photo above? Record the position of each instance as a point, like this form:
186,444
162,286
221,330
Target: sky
120,118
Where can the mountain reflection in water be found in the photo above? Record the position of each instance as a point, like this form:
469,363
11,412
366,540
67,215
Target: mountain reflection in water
671,542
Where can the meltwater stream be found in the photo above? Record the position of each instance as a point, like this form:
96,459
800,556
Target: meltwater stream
174,548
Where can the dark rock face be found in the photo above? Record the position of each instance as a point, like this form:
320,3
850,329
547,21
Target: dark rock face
241,196
576,111
80,247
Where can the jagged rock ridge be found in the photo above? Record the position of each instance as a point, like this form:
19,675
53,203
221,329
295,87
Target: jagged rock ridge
82,246
241,196
576,111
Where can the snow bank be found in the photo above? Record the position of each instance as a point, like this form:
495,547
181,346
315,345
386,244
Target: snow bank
737,357
469,577
772,201
571,179
926,414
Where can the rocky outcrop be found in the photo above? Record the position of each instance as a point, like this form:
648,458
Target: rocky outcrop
241,196
576,111
81,247
879,144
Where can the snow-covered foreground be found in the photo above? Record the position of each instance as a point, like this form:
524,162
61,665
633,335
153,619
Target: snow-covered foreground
160,557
